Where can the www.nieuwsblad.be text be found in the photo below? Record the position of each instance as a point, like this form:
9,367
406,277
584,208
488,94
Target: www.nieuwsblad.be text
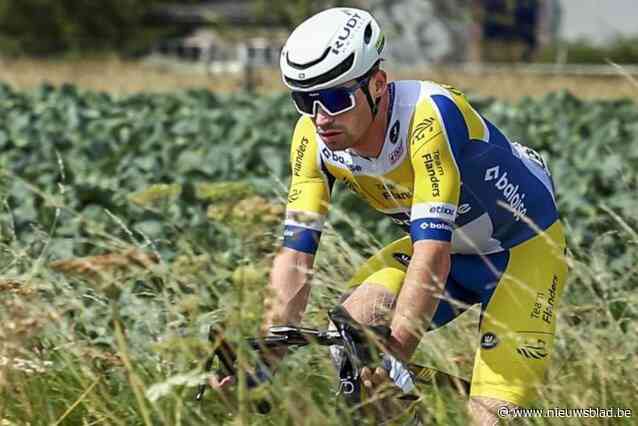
592,412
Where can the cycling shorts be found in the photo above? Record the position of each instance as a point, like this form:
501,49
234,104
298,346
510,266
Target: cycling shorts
519,292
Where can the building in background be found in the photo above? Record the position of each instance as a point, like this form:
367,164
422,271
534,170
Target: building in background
229,36
511,30
456,31
221,35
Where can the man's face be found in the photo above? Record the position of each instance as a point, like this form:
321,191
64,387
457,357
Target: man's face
344,130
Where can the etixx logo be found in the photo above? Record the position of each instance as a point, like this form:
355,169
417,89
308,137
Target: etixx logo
442,210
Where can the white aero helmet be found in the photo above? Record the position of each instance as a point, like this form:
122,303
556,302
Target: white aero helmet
331,48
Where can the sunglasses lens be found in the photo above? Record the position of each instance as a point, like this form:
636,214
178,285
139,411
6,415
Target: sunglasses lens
334,101
304,103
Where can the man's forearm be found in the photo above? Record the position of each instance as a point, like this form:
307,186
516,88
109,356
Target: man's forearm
289,288
418,299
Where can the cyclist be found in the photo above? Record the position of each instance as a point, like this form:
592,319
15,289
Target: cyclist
479,210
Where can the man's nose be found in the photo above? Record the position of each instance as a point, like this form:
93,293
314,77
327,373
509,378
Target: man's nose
322,117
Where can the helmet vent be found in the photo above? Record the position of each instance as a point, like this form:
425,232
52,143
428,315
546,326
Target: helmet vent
367,35
334,73
306,65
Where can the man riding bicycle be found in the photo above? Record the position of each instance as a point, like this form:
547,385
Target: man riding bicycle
480,211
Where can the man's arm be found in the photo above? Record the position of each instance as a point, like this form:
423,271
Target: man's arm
289,288
437,188
306,210
419,296
286,300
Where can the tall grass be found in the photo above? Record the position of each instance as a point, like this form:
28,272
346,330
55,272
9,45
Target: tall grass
124,346
104,342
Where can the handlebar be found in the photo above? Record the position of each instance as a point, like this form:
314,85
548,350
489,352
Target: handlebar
358,342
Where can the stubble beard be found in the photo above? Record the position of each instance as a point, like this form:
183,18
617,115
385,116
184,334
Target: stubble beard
344,142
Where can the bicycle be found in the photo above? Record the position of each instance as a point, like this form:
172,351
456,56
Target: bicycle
357,343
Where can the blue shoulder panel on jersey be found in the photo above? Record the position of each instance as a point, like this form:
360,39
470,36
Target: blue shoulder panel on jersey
454,123
301,239
517,202
470,208
497,137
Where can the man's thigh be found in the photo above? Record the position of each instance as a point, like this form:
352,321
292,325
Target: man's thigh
519,321
385,267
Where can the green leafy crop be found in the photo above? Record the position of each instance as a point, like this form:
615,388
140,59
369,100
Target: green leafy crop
178,199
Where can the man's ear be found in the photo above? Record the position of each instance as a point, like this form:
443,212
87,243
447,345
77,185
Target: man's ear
379,84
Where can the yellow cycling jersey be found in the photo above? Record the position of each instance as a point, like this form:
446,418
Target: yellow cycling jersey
444,173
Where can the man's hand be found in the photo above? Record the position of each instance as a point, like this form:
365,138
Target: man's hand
374,379
223,387
221,384
382,393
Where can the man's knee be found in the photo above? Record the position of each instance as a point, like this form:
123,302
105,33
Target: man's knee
370,304
344,297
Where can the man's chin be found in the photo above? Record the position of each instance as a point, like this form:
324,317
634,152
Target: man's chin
335,143
332,146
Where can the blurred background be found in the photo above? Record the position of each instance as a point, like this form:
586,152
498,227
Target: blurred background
502,48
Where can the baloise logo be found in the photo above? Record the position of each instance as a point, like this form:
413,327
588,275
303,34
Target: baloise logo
513,198
340,159
436,226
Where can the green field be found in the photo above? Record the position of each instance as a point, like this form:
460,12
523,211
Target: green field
132,222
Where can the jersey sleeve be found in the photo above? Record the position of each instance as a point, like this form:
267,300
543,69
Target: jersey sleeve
437,183
309,193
